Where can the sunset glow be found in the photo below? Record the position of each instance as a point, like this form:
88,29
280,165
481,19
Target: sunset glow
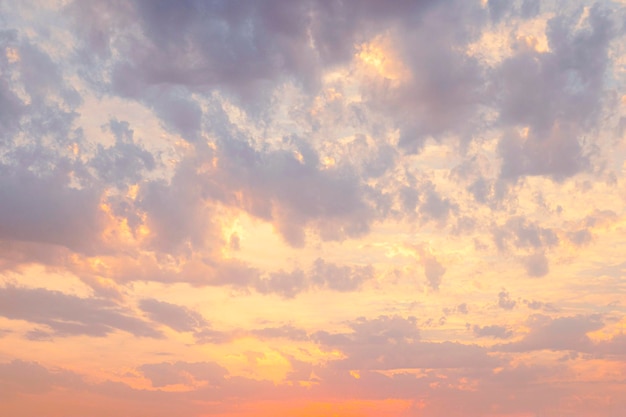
311,208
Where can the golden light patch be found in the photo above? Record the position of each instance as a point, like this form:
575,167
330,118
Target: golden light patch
183,145
106,283
74,149
497,44
492,46
132,191
143,230
12,55
388,249
253,358
96,262
208,166
379,57
272,365
355,374
533,43
328,162
321,101
598,370
523,132
331,94
233,232
609,332
118,231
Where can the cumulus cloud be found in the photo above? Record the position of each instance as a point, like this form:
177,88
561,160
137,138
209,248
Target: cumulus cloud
505,301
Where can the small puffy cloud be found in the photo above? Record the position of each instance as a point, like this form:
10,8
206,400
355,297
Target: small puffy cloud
505,301
580,237
433,271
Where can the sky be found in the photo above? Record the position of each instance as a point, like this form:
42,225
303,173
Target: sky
309,208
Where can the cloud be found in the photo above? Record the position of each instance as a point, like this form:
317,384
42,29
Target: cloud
563,333
179,318
340,278
540,305
580,237
165,373
388,342
536,265
22,377
67,315
520,234
433,271
321,275
434,206
495,331
505,301
295,194
524,234
125,162
443,91
556,94
45,210
462,308
287,284
286,331
12,106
